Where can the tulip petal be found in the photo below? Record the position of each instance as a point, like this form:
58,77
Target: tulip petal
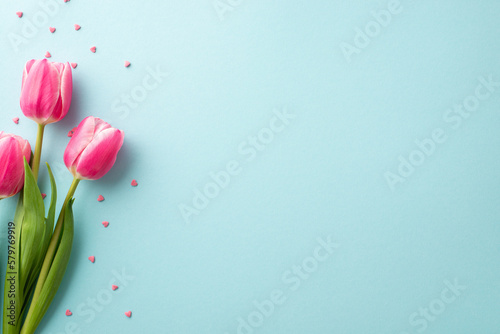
81,138
65,92
11,173
100,155
66,89
100,125
25,147
27,68
40,91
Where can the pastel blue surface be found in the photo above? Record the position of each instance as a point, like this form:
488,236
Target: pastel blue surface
369,205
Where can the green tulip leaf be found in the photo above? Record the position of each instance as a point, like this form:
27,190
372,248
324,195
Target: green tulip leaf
41,303
32,226
42,247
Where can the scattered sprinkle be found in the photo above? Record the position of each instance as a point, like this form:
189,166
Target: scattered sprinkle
114,287
66,0
134,183
69,313
47,54
74,65
100,198
92,258
52,29
77,27
71,132
105,224
127,63
15,120
19,14
92,49
128,313
44,195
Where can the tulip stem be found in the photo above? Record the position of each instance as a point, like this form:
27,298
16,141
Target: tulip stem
38,150
54,241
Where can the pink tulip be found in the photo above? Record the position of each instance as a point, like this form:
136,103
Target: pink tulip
12,150
46,91
92,150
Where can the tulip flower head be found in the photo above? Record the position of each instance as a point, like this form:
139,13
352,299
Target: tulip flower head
46,91
12,150
92,149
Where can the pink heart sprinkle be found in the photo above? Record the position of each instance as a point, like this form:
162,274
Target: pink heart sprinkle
114,287
47,54
68,313
66,0
16,120
100,198
128,313
134,183
19,14
92,258
70,133
92,49
77,27
74,65
127,63
52,29
105,224
44,195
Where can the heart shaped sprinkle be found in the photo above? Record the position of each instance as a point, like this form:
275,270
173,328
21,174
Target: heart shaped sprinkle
100,198
77,27
74,65
68,313
134,183
15,120
127,63
92,258
44,195
128,313
52,29
19,14
47,54
114,287
93,49
105,224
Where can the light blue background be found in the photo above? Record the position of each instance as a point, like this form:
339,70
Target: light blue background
322,175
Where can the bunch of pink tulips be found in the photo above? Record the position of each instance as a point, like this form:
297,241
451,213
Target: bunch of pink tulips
38,252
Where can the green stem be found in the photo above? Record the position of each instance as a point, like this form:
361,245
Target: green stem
54,241
38,150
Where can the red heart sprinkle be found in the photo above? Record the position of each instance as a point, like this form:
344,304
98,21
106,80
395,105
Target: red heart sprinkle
77,27
52,29
68,313
47,54
106,224
93,49
19,14
74,65
44,195
114,287
134,183
100,198
16,120
128,313
92,258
